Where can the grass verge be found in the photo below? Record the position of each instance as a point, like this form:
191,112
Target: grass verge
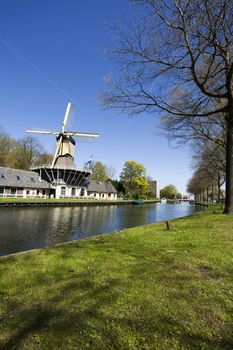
67,200
140,288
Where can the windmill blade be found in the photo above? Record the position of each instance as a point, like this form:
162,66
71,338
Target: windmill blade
66,116
56,152
43,132
80,134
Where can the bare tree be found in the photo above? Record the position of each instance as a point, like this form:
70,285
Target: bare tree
176,58
111,172
209,164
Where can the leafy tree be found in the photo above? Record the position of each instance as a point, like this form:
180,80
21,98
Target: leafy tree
99,172
178,195
133,177
168,192
119,187
141,186
176,57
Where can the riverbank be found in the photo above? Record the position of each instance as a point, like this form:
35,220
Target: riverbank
54,202
140,288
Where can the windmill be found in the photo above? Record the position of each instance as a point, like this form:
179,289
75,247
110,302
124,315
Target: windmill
64,154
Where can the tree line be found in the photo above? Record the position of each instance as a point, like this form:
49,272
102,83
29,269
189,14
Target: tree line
175,59
23,153
28,152
133,182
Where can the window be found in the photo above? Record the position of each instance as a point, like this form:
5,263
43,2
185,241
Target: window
13,190
18,177
73,191
43,192
28,192
37,192
109,194
1,190
82,192
63,191
2,176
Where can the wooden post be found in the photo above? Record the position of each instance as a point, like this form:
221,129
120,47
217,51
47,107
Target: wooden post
169,226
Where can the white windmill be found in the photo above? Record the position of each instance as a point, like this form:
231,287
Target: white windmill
65,141
65,178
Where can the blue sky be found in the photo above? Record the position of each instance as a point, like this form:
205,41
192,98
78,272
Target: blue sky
65,41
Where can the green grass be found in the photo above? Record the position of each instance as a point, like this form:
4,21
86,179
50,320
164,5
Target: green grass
52,200
64,200
141,288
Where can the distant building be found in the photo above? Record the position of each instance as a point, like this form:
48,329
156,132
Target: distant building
155,187
101,190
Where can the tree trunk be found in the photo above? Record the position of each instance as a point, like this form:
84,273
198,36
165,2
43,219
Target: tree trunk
212,191
229,166
219,187
207,194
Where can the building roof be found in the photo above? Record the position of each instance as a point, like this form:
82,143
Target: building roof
21,178
101,187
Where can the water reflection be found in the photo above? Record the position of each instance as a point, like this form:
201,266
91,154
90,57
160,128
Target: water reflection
27,228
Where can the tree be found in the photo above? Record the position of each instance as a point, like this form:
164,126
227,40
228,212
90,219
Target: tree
152,190
99,172
210,168
176,58
133,177
168,192
27,152
43,158
111,172
118,185
7,145
22,154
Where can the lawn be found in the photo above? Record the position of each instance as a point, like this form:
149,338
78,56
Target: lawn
140,288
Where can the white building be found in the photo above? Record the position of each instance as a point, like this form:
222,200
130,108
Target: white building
55,183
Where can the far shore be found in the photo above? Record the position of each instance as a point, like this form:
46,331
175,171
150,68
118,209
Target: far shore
35,202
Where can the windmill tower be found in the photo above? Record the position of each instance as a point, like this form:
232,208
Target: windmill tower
65,140
66,179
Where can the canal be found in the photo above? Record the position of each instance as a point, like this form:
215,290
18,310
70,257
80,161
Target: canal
23,229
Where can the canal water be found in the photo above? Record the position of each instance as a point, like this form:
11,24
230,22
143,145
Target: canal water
28,228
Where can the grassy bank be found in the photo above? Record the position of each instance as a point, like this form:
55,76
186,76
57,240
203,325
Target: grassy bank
53,200
141,288
66,200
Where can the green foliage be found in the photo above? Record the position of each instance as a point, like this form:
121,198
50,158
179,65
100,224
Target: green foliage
99,172
168,192
152,191
118,185
136,289
133,177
